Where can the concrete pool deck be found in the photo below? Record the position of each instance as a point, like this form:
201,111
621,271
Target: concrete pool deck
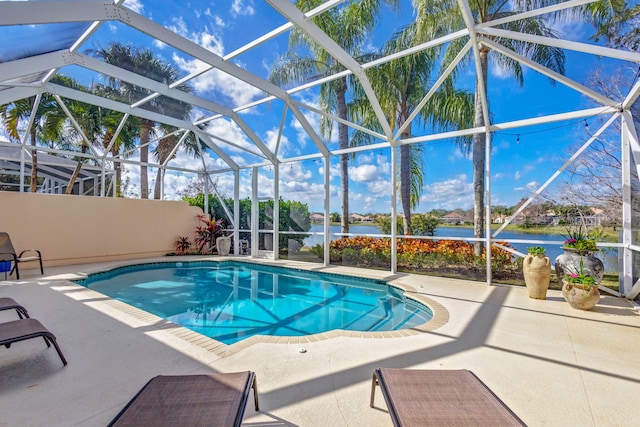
551,364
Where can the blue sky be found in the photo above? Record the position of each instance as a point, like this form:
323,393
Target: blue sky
521,159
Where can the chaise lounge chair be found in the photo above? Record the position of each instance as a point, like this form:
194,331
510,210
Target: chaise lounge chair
190,400
8,254
11,304
24,329
440,398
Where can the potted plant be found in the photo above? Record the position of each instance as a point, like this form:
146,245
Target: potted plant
579,249
536,269
580,242
182,245
580,288
207,233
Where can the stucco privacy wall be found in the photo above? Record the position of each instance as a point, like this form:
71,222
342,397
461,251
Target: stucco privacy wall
75,230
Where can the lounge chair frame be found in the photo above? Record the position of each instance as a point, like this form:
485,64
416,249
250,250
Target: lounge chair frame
215,399
11,304
8,253
25,329
424,398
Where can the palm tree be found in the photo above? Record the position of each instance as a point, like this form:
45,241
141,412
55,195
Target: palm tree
42,129
400,86
166,147
144,63
348,25
437,17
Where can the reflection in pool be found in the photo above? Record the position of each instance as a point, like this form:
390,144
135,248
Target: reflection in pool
230,301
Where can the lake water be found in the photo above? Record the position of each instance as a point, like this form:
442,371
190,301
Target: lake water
553,248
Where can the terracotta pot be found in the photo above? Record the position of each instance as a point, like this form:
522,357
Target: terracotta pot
579,297
537,274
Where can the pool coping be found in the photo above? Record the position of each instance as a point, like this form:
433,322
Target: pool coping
154,322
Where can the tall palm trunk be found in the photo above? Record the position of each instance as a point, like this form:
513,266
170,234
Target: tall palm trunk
117,168
479,153
76,171
343,143
165,148
145,130
34,162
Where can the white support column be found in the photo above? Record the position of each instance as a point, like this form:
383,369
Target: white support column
103,174
236,212
327,207
487,203
394,210
633,152
162,172
206,194
255,211
22,162
276,210
627,258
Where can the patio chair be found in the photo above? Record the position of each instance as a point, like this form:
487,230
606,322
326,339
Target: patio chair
11,304
190,400
8,254
440,397
24,329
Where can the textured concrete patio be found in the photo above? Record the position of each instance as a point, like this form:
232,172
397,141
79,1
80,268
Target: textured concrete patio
551,364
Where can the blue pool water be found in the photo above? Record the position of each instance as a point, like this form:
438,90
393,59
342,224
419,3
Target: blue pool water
231,301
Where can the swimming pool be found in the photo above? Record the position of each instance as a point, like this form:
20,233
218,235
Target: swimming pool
230,301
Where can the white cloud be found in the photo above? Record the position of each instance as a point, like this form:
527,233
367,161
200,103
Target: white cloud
293,172
529,187
271,141
381,186
449,194
517,175
499,175
363,173
135,5
242,7
458,154
239,92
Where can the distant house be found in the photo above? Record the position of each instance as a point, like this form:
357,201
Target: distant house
594,220
317,217
500,219
354,217
452,218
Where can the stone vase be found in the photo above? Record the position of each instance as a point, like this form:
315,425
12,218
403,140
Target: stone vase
537,274
580,297
569,262
223,244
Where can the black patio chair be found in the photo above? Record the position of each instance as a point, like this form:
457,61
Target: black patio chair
8,255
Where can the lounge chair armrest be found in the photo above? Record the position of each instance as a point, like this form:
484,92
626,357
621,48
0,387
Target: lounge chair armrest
30,250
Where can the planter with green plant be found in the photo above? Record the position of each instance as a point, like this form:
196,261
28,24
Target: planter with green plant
579,249
580,288
536,269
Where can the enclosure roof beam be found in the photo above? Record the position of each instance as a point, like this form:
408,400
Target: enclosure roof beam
552,74
206,138
563,44
289,11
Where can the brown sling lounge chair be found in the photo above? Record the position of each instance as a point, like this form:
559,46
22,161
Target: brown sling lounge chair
24,329
8,254
11,304
190,400
440,398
